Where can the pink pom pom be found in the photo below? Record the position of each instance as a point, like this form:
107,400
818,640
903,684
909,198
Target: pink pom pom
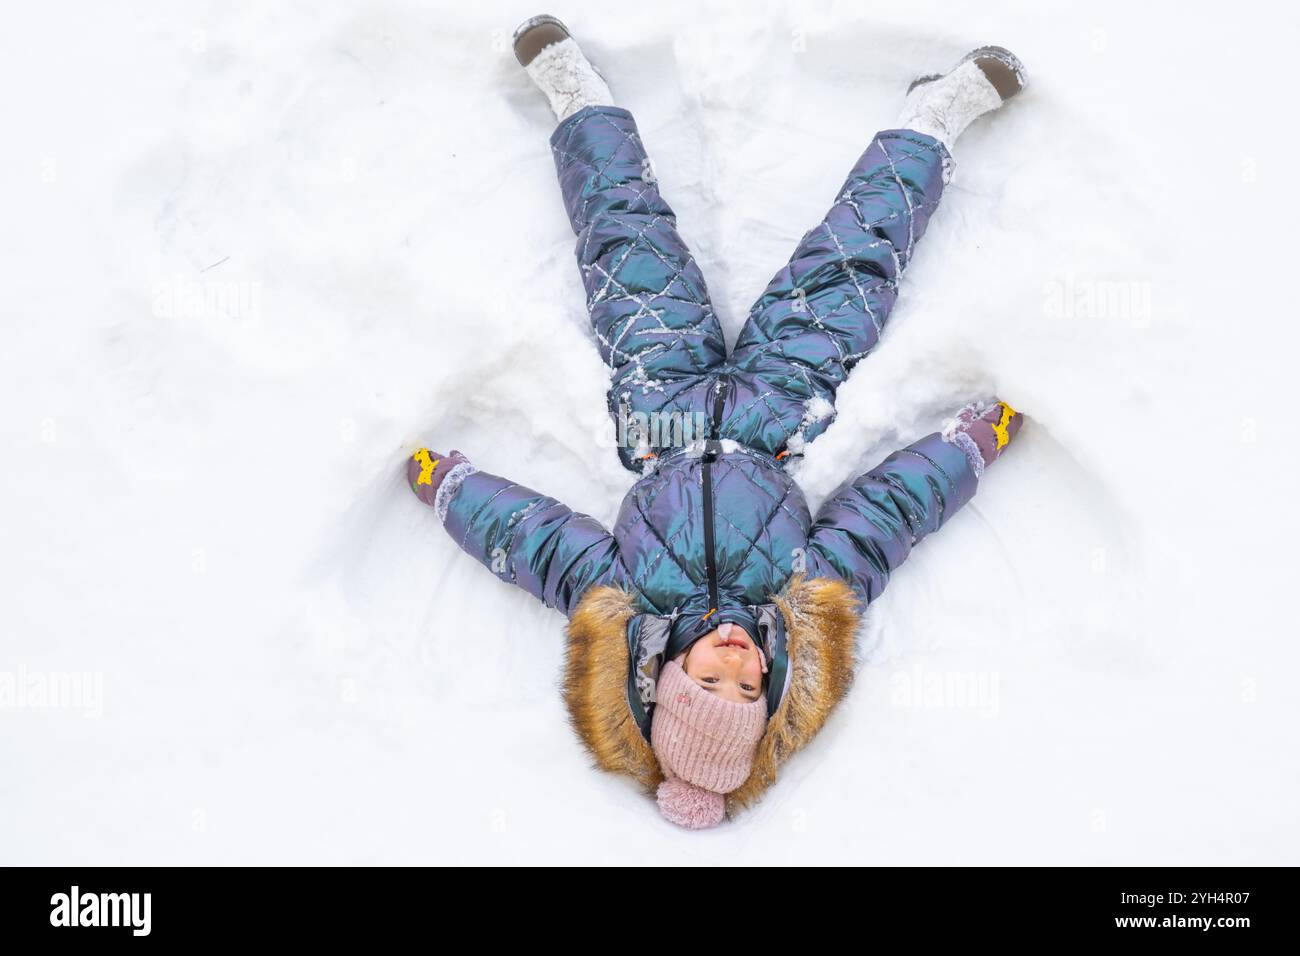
689,806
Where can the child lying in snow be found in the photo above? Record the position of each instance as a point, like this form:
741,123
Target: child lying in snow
712,632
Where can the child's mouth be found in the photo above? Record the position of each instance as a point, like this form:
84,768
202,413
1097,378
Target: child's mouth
727,637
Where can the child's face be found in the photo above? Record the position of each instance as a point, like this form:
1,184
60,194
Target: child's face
726,662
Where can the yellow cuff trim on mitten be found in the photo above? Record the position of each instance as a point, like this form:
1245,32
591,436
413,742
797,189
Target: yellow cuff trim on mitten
427,465
1000,429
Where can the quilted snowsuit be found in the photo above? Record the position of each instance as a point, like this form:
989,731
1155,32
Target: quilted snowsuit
715,529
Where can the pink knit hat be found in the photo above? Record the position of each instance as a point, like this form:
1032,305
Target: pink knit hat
705,746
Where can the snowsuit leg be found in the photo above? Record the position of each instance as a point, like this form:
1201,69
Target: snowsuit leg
827,306
648,302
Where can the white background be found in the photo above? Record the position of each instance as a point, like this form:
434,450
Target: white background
202,503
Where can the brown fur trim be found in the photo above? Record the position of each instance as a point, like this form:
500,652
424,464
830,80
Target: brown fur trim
595,686
821,623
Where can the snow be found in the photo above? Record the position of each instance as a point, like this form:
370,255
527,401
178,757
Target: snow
256,254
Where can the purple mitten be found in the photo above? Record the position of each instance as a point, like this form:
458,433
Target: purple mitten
982,430
426,471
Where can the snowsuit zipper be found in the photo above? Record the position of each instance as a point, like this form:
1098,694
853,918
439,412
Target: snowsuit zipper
712,448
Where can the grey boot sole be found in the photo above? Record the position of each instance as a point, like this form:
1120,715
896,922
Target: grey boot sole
999,65
535,34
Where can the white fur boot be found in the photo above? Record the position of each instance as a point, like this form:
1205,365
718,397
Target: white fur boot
557,65
943,105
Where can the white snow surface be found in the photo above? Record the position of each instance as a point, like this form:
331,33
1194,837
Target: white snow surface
257,253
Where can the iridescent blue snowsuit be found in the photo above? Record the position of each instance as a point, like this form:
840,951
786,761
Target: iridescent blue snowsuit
716,526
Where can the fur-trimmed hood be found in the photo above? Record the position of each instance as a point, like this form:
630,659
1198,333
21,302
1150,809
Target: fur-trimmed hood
820,617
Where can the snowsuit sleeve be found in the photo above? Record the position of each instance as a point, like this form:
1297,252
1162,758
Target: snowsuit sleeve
868,527
528,539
